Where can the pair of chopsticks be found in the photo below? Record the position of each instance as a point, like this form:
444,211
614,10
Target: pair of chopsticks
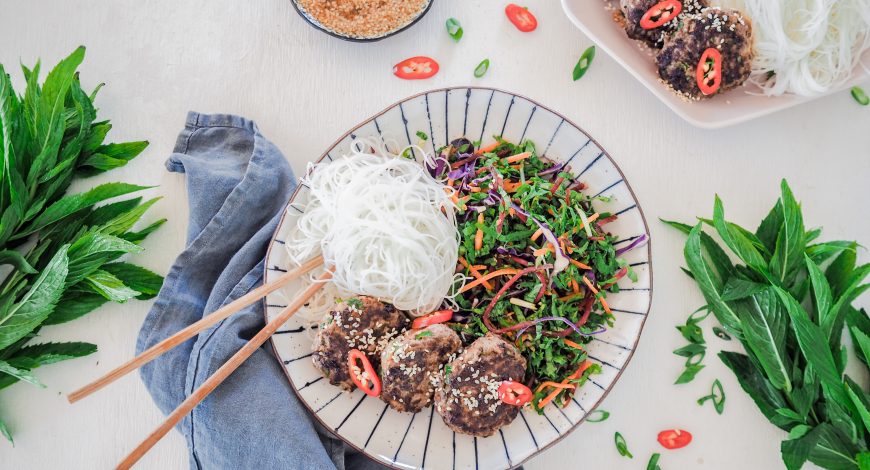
225,370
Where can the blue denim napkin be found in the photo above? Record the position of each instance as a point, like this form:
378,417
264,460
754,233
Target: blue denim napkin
238,183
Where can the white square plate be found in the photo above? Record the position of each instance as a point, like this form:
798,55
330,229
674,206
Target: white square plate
596,21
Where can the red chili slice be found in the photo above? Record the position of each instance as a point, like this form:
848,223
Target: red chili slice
674,438
661,13
708,73
514,393
521,17
416,68
371,377
440,316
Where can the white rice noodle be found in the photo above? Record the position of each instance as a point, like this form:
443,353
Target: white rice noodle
806,47
385,224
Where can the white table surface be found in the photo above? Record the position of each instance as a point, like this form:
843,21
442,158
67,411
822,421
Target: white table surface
161,58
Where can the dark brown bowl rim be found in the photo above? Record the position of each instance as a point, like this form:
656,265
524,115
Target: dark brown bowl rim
316,24
627,185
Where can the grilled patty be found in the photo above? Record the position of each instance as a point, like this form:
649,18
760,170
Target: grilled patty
631,12
468,401
726,30
411,366
362,323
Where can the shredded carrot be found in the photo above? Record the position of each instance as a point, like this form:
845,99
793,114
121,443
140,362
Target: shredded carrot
557,385
512,212
544,250
579,264
478,237
478,266
486,277
575,286
573,344
570,297
518,157
605,306
546,400
517,167
473,189
488,148
474,272
537,234
590,219
595,291
589,285
449,181
583,366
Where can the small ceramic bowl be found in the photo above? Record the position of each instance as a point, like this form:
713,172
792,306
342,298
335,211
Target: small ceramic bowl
313,22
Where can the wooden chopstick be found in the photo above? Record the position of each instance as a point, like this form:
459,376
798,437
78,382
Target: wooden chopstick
223,372
194,329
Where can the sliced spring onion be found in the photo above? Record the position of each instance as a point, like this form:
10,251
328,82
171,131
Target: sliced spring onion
653,463
597,416
860,96
454,29
481,68
621,445
585,221
718,331
584,63
717,396
422,135
523,303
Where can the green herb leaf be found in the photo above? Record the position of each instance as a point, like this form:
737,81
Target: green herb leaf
814,346
824,299
72,204
50,353
454,29
3,428
354,303
20,374
481,68
860,96
145,282
584,63
701,272
422,136
597,416
73,305
766,396
621,445
653,463
737,240
109,286
423,334
765,325
34,307
719,332
789,251
16,260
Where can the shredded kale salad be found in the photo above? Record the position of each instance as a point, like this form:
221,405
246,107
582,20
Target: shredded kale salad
538,260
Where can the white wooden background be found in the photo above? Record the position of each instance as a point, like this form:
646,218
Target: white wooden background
161,58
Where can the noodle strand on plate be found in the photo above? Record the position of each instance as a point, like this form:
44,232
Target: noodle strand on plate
386,225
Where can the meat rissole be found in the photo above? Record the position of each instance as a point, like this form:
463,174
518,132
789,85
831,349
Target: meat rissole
362,323
411,366
631,12
726,30
468,401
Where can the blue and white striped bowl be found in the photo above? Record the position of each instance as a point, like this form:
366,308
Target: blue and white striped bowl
421,440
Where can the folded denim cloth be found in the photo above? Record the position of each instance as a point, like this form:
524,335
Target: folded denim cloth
238,184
